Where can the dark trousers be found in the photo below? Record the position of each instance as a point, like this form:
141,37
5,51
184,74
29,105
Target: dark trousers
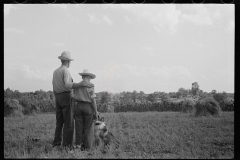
84,127
64,120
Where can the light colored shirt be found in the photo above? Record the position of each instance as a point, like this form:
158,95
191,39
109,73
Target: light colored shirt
62,80
84,94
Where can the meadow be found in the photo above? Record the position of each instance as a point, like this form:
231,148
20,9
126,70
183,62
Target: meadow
141,135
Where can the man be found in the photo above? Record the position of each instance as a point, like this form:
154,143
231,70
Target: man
62,87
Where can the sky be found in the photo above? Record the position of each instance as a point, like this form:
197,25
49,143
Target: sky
142,47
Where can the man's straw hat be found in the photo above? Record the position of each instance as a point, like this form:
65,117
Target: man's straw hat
65,56
87,73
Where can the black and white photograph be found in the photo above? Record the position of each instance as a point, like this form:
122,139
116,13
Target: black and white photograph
119,81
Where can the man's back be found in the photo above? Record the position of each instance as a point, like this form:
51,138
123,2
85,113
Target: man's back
60,76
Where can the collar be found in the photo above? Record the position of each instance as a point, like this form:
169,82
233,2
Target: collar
63,66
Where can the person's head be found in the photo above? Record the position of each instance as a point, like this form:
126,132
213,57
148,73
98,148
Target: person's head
65,58
86,78
66,63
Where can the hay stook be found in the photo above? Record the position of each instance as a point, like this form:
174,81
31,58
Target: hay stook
12,108
188,105
207,106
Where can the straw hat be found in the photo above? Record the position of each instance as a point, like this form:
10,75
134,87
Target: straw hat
65,56
87,73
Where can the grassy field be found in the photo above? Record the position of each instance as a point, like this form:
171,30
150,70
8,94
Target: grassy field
141,135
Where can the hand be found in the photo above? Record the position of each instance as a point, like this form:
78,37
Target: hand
90,85
96,113
87,84
95,116
72,94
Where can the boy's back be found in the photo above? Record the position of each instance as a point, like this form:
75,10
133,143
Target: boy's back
84,94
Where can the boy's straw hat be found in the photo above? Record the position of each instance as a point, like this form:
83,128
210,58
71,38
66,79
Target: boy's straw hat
87,73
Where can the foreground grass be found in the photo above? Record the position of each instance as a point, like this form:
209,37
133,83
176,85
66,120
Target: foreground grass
141,135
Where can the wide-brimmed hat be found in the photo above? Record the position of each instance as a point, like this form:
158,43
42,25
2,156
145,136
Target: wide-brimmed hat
65,56
87,73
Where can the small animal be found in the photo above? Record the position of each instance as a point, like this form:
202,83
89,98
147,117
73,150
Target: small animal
102,135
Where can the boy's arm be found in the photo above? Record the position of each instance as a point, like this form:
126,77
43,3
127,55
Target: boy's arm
94,106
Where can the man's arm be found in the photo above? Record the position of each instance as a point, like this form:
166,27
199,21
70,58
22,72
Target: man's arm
82,84
93,99
69,84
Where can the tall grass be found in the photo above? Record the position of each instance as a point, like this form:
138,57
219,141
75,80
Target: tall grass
141,135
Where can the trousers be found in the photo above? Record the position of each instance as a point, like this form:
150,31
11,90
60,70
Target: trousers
84,126
64,120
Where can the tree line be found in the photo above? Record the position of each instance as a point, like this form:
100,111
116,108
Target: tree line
124,101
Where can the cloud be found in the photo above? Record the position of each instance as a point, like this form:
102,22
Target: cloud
126,77
33,74
14,30
202,14
225,72
107,20
58,44
201,76
7,8
104,20
163,17
231,26
149,51
223,79
93,19
197,44
128,19
22,70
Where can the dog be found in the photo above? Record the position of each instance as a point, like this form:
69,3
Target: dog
101,133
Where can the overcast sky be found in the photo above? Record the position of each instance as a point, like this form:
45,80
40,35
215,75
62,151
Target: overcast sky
128,46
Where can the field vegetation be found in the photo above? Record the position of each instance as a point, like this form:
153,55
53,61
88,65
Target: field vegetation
141,135
155,125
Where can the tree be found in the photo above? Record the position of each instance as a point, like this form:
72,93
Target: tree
51,96
105,98
201,94
183,92
134,96
172,95
178,95
17,94
214,92
8,93
126,97
116,98
141,96
195,88
165,97
151,97
220,97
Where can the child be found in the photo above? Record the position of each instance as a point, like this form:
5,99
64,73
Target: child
85,112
